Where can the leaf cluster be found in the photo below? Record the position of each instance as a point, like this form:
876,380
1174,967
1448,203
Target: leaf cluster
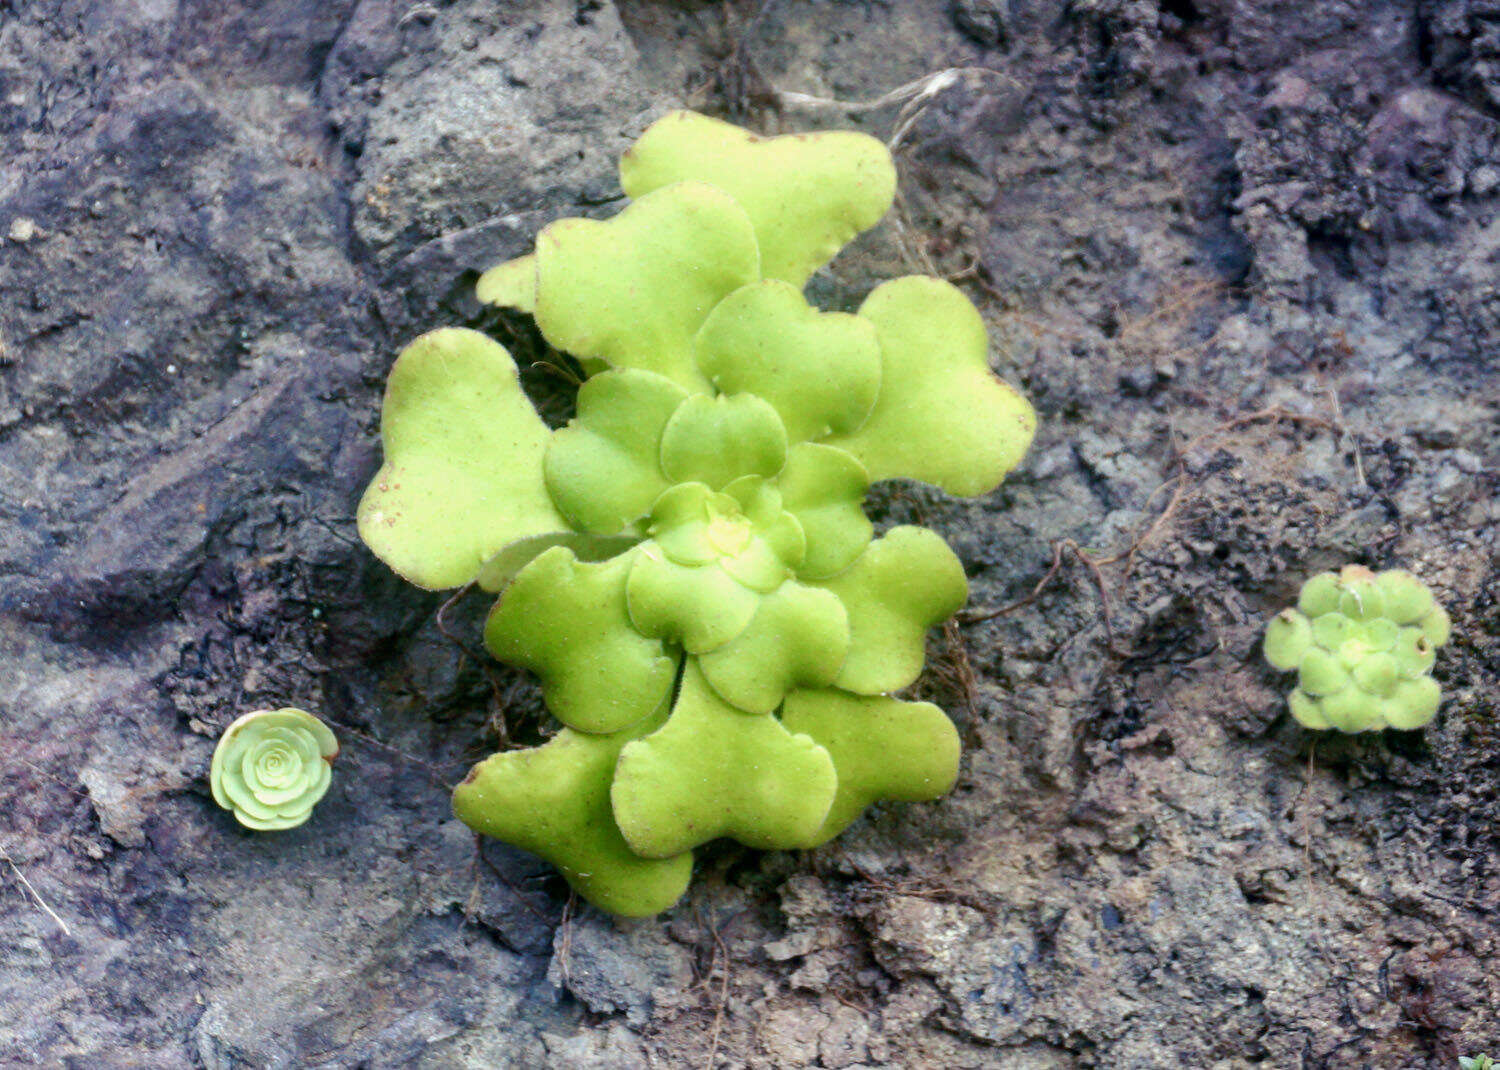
686,566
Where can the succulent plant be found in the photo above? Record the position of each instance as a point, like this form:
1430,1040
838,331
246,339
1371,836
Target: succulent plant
686,566
1362,644
1477,1062
272,766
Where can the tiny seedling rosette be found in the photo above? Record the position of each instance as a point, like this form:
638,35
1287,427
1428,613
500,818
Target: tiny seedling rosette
686,566
271,767
1362,644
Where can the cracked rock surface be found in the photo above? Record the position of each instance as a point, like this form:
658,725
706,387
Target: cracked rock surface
1243,257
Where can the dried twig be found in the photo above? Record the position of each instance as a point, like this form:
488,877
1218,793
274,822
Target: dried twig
975,616
565,939
722,956
1179,482
36,895
480,662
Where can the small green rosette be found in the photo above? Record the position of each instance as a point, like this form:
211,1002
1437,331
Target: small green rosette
271,768
1362,645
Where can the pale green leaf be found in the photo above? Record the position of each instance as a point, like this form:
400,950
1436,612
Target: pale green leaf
604,469
462,477
633,290
713,771
881,747
502,568
942,417
553,801
821,370
700,607
566,621
907,581
797,638
1288,637
509,285
824,488
807,194
1319,596
716,440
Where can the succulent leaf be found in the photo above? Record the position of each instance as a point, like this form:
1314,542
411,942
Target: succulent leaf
861,733
1287,639
824,488
1332,630
1414,703
797,638
1359,597
567,622
907,581
1322,673
1352,710
717,440
553,801
463,462
1377,674
761,504
1380,633
1436,626
271,767
820,370
604,469
713,770
1407,599
1320,595
1305,709
807,194
635,289
1414,653
509,285
941,416
499,570
702,607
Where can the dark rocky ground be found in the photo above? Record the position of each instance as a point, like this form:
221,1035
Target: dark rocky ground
1242,254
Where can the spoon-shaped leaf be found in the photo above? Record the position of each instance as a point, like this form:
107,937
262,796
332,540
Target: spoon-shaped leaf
716,440
633,290
863,734
907,581
553,801
604,468
821,370
700,607
509,285
713,771
798,637
824,488
462,477
566,621
942,416
807,194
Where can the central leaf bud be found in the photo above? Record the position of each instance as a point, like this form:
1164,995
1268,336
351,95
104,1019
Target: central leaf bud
727,533
743,529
